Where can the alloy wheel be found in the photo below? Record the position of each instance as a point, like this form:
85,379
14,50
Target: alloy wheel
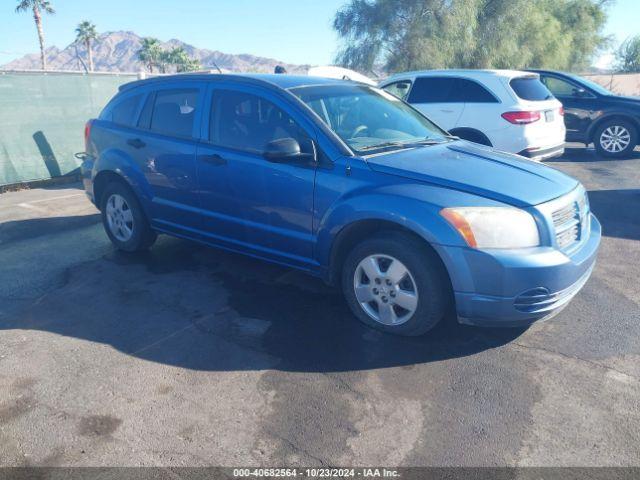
615,139
119,217
385,289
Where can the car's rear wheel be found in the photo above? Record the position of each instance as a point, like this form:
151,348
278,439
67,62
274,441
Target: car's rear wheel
124,220
615,138
395,283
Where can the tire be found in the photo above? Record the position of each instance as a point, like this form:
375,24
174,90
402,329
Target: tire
615,138
129,232
425,284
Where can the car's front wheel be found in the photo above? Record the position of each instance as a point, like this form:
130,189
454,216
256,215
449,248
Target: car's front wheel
395,283
124,220
615,138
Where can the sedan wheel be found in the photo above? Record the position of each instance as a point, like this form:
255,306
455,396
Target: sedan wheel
615,139
385,289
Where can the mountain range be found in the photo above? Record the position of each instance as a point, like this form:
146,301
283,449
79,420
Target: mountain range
118,52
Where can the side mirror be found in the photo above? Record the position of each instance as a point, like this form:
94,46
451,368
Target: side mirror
286,150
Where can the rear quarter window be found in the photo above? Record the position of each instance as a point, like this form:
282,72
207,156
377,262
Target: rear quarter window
123,111
399,89
530,88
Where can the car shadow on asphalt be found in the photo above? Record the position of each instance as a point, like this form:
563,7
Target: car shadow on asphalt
618,211
588,154
191,306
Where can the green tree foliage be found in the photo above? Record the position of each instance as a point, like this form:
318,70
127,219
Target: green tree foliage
628,55
37,7
85,33
179,59
153,55
413,34
150,52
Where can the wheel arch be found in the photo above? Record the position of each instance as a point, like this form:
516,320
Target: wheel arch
102,179
608,117
115,165
354,233
466,133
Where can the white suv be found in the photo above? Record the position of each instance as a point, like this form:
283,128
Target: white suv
506,109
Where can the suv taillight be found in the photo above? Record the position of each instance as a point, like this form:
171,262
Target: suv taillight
521,118
561,111
87,132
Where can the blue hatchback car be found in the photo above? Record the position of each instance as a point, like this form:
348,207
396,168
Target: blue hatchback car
348,183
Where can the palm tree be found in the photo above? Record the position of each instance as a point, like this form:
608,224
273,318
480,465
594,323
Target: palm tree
150,52
38,7
180,59
86,32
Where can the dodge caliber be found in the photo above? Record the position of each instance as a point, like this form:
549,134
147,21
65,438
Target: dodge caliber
348,183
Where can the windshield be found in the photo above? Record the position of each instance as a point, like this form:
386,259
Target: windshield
592,85
369,119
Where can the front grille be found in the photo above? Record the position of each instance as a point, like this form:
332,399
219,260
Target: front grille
568,222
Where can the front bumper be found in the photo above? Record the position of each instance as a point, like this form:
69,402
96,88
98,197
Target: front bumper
517,288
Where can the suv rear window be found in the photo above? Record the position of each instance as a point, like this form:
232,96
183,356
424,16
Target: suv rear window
530,88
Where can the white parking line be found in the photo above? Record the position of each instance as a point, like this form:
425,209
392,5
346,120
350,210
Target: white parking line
32,207
56,198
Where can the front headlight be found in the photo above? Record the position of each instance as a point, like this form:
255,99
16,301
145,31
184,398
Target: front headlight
494,227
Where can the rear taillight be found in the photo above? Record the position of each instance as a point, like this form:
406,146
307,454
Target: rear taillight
561,111
521,118
87,133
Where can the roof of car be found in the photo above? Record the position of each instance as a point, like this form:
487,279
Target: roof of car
284,81
471,73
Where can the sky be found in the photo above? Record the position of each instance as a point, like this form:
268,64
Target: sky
293,31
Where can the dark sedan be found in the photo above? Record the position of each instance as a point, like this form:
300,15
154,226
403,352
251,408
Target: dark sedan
595,115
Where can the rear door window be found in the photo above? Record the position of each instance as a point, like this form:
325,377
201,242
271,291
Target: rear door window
174,112
432,90
469,91
530,88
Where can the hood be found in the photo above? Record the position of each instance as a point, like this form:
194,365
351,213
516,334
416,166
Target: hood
635,101
479,170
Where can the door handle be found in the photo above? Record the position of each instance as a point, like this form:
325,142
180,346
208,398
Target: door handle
214,159
444,110
136,143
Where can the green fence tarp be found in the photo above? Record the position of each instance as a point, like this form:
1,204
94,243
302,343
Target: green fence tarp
42,117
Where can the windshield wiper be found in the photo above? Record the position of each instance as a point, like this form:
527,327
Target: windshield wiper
430,141
409,144
384,145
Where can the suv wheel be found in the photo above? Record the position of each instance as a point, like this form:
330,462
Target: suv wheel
615,138
394,283
123,219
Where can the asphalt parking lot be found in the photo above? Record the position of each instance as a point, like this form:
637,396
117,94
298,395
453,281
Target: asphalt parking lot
188,355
